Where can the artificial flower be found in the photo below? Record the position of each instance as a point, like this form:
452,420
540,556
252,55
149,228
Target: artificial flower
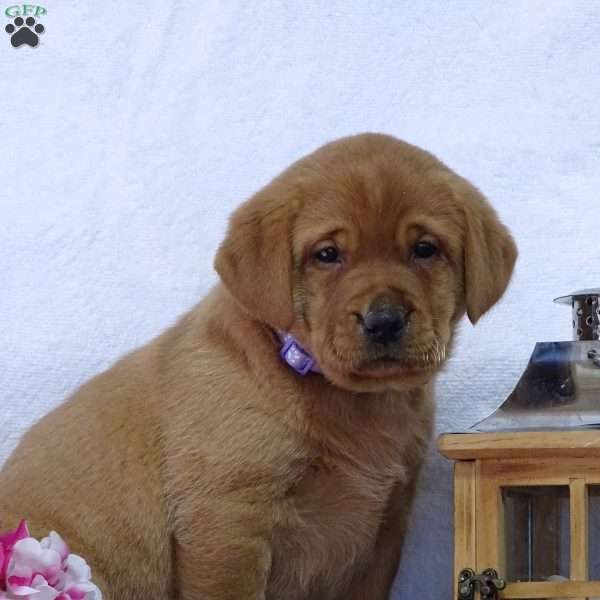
46,570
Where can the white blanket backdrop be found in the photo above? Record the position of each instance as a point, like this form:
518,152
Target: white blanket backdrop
133,129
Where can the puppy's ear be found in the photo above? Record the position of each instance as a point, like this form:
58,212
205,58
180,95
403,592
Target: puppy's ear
255,260
489,255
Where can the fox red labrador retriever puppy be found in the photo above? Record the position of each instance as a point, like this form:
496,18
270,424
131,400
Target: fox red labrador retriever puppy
209,464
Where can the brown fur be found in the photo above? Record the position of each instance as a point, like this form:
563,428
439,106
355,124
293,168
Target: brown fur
200,467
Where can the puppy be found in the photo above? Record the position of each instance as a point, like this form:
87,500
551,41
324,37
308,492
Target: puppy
203,466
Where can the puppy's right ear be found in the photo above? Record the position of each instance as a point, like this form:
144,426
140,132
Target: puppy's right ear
255,260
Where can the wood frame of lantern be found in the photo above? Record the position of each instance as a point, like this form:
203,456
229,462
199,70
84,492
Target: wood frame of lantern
486,463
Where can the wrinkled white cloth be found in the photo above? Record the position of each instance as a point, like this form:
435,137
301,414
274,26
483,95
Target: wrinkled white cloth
133,129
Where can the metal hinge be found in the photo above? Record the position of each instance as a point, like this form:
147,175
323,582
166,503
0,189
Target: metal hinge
487,583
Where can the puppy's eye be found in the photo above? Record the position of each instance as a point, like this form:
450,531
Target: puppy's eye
329,254
424,250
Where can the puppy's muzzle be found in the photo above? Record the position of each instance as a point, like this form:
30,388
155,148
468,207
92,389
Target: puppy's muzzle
384,323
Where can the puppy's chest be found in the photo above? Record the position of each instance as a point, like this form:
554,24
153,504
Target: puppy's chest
335,506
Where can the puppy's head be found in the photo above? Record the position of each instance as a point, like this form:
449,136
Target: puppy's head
369,250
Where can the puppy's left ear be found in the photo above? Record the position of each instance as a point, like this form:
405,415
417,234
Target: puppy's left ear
490,254
255,259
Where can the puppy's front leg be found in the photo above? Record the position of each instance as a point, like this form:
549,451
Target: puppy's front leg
376,582
223,554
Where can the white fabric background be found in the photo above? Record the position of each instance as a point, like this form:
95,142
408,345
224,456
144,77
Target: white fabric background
134,129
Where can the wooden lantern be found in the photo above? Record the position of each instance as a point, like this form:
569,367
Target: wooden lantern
527,506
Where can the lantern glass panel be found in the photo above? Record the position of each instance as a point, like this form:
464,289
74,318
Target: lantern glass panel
594,531
536,532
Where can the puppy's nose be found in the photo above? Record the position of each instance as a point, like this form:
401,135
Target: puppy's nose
385,323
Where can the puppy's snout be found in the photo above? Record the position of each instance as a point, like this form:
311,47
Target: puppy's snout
384,323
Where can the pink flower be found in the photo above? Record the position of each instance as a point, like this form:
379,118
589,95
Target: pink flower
43,570
7,542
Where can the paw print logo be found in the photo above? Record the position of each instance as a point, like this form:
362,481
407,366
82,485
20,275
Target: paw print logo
24,32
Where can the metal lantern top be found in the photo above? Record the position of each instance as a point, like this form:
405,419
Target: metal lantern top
560,388
586,313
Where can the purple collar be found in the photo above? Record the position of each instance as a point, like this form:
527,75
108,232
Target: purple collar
295,355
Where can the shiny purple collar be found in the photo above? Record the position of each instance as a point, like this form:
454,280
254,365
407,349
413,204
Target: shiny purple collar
295,355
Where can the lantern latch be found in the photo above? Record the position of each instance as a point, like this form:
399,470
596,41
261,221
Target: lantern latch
487,583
